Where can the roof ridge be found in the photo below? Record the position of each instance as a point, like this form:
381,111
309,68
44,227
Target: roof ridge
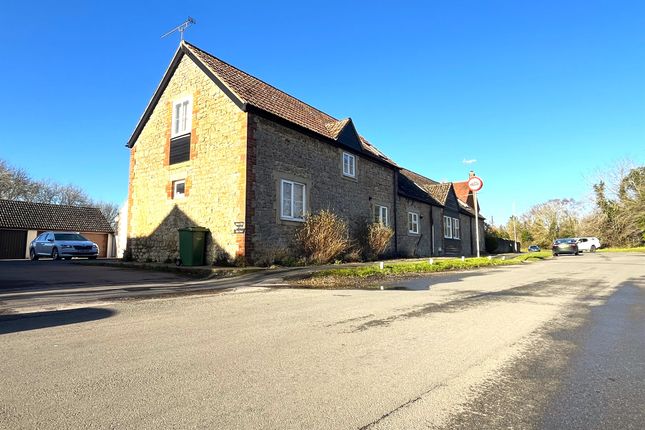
190,45
51,204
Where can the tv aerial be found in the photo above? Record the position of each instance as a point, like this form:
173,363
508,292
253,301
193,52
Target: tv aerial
181,28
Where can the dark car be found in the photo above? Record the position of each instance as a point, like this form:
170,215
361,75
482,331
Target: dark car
565,246
534,248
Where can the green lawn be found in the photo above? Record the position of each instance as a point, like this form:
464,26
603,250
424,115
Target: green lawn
419,267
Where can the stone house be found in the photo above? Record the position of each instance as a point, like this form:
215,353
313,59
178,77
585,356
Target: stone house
219,148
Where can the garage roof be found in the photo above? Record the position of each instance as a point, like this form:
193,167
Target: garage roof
42,216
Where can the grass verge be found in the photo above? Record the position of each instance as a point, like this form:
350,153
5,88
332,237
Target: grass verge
635,249
361,277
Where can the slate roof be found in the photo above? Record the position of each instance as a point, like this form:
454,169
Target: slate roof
43,216
252,91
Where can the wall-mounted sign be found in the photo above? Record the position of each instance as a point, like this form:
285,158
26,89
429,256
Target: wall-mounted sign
239,227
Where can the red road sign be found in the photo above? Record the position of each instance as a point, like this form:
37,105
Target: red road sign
475,184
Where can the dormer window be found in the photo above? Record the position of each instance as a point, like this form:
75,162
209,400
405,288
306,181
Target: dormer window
181,117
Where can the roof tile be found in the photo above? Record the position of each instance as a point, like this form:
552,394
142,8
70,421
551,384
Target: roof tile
43,216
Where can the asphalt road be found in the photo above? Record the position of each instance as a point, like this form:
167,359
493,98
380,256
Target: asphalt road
555,344
27,286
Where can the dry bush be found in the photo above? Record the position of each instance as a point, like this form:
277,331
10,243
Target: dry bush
378,239
323,237
353,254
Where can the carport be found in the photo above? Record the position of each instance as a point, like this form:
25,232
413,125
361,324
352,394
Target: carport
21,222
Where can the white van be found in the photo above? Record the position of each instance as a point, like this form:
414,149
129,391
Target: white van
588,244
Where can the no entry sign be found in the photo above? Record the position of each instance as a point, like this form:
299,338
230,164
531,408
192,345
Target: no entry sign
475,183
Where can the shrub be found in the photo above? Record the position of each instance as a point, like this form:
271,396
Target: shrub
377,240
323,237
274,255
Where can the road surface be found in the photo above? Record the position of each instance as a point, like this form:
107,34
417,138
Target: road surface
554,344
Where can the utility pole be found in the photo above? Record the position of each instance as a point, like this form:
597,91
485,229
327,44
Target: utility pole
475,184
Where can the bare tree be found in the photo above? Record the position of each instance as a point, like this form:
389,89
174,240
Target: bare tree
16,184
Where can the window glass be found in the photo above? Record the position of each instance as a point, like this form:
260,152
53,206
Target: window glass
298,201
69,236
447,227
413,222
380,214
292,200
179,189
286,199
181,121
349,165
455,228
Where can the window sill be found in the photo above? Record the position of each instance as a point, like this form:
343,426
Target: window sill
298,220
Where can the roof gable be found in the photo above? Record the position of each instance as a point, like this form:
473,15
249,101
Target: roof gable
440,192
345,133
44,216
248,91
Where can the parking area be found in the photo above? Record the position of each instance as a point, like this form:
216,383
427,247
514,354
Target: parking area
47,284
23,275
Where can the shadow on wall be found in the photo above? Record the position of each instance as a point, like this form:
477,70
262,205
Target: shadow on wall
38,320
162,245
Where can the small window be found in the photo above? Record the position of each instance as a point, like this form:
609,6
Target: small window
413,222
349,165
447,227
380,215
179,189
181,117
292,201
455,229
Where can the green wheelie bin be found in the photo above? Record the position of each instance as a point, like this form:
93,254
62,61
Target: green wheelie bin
192,246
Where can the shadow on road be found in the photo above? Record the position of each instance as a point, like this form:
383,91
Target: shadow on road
38,320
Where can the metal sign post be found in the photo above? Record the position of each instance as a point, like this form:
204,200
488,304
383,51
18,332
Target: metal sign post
475,184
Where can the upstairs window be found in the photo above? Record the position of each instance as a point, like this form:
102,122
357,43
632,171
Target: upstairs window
380,215
413,222
447,227
349,165
292,201
182,117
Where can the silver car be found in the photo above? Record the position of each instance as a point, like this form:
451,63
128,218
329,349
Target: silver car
62,244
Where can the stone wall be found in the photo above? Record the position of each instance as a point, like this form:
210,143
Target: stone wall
283,153
215,174
413,244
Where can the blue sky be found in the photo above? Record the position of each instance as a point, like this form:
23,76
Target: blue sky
541,94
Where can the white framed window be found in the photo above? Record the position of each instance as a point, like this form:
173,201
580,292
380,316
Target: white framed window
292,206
179,189
349,165
455,229
447,227
413,222
182,115
380,215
